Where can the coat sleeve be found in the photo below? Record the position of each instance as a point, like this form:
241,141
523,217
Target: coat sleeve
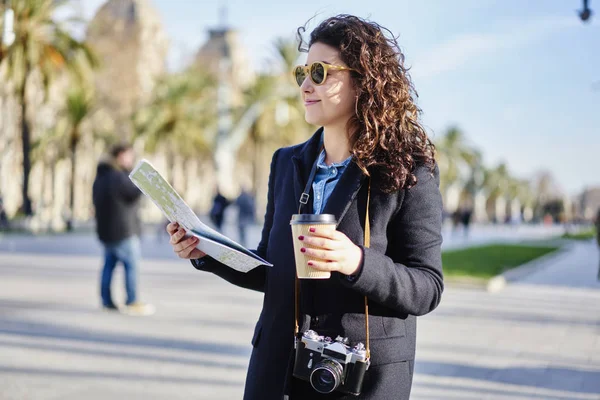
125,188
256,278
409,277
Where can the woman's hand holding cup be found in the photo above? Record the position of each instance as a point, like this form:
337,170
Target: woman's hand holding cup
334,251
182,246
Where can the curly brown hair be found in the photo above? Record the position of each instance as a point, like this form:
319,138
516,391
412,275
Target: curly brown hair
386,137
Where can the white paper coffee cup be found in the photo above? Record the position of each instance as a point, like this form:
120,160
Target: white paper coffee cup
301,223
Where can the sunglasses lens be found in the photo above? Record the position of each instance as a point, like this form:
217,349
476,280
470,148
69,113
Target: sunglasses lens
300,75
317,73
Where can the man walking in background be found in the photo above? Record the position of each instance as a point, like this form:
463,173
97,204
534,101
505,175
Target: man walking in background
116,201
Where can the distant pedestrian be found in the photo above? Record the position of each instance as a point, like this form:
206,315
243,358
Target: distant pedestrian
116,202
245,204
466,216
456,219
217,212
4,223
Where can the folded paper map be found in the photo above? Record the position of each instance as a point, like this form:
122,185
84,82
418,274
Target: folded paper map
213,243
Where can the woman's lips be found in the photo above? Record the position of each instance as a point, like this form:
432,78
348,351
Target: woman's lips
310,102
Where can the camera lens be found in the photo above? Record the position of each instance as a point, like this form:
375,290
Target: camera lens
326,376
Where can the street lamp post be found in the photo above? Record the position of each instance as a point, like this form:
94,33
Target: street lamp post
585,12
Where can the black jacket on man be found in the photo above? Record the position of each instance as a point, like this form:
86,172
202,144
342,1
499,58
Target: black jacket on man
401,275
116,200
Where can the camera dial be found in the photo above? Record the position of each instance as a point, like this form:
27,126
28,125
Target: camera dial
312,335
343,340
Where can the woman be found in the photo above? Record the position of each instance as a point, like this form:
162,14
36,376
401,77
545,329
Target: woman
357,89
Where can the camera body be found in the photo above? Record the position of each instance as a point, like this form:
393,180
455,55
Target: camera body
330,365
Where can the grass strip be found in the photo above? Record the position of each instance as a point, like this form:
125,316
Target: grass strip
484,262
582,235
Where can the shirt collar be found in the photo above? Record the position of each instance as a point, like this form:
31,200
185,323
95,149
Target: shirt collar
321,158
321,162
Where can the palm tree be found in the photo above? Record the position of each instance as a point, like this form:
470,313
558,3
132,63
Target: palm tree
280,121
284,109
42,45
521,194
545,190
475,180
179,118
454,156
496,182
78,106
49,149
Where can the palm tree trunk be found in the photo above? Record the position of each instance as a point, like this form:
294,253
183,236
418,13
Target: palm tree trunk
53,186
26,143
170,160
73,147
184,177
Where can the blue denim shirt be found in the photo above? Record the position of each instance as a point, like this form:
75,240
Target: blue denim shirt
326,178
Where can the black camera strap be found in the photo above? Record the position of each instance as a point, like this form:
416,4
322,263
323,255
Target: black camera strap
306,193
367,243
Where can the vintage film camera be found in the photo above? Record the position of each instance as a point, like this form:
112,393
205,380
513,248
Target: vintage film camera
330,364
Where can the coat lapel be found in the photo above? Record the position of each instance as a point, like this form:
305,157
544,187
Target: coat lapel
303,160
344,192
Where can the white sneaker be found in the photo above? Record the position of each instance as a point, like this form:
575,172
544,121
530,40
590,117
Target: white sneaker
139,309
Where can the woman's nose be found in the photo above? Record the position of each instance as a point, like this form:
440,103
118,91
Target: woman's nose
306,86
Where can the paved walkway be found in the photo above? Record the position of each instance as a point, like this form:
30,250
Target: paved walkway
537,339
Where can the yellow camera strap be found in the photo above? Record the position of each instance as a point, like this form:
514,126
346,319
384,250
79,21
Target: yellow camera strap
366,243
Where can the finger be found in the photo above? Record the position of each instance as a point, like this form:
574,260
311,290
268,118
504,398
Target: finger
184,244
320,254
186,251
172,227
177,236
185,247
324,265
320,242
324,232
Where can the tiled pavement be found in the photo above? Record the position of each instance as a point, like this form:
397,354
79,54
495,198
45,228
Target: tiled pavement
537,339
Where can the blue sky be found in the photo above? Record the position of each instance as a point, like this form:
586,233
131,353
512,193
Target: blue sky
521,79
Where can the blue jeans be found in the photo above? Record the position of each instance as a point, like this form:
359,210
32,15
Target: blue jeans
128,252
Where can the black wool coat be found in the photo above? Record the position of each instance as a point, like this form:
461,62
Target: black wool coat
401,275
116,203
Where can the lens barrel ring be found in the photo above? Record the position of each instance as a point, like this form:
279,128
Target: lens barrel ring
326,376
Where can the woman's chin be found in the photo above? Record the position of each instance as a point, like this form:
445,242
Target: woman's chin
312,119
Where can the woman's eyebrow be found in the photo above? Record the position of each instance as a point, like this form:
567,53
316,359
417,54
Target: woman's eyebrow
324,62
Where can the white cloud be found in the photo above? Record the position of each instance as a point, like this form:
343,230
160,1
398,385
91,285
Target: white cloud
461,49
